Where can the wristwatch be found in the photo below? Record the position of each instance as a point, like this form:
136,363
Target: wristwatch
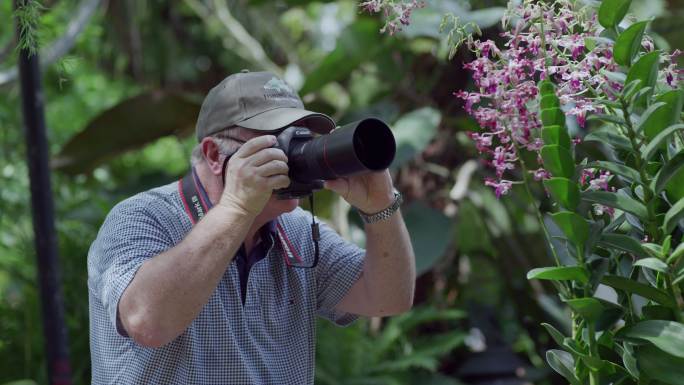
383,214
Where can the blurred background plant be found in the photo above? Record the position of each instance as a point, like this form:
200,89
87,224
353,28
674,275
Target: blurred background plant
123,82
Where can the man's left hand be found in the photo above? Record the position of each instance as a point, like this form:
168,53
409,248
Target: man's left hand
370,193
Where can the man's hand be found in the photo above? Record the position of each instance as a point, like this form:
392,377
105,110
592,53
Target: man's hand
252,174
369,193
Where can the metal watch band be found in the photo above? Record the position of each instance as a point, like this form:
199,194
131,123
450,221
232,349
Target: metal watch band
383,214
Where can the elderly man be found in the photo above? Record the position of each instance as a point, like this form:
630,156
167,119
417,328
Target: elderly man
197,289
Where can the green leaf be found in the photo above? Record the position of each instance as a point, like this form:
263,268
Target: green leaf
616,168
563,364
664,116
553,117
634,287
624,243
659,141
611,138
564,191
549,101
658,365
673,216
666,335
575,228
629,359
612,12
607,119
556,135
128,125
628,43
670,169
653,264
430,231
413,132
560,273
555,334
558,161
676,254
617,201
675,188
646,70
650,113
546,87
590,309
359,42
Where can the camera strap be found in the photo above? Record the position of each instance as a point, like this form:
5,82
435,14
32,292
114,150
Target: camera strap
197,204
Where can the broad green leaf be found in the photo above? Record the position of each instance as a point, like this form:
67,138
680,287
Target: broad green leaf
617,201
650,113
555,334
624,243
430,232
546,87
616,168
654,249
675,187
664,116
413,132
659,141
563,364
610,138
128,125
553,117
628,43
359,42
556,135
549,101
611,12
657,312
673,216
558,161
658,365
666,335
590,309
653,264
564,191
575,228
646,70
669,170
634,287
560,273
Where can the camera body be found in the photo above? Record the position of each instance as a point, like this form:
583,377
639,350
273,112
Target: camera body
355,148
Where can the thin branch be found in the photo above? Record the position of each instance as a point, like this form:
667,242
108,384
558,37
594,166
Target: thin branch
249,48
60,47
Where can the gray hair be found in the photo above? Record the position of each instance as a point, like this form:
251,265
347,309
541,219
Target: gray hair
223,139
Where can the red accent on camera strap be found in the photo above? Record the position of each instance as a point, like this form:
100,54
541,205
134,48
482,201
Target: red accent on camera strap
194,204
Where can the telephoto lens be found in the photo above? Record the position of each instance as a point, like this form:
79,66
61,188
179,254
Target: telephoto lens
359,147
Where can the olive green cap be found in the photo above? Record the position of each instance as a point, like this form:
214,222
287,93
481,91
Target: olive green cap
259,101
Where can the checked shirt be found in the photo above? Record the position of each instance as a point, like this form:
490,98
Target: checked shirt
270,339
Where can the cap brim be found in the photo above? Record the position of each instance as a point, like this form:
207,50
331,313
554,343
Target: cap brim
279,118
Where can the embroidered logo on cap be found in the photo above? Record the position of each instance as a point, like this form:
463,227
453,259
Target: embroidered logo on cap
278,89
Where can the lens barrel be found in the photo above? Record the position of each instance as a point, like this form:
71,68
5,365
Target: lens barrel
362,146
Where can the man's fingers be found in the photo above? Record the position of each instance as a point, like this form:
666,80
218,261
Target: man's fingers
278,181
255,144
274,167
266,155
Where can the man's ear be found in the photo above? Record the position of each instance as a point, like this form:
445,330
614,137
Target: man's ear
212,156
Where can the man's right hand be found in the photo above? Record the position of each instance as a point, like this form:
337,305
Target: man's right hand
253,172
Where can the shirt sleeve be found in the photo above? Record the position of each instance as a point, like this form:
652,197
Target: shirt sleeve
129,236
339,267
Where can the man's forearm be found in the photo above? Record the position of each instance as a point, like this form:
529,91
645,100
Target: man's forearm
170,289
389,268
